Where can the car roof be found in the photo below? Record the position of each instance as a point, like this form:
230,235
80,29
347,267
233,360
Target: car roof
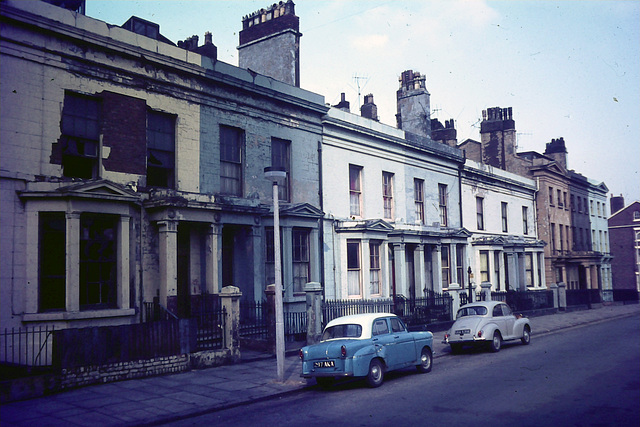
488,304
365,320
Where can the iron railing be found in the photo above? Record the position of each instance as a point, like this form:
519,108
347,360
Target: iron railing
27,346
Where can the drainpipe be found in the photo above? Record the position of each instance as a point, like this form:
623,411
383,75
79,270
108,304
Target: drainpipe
321,228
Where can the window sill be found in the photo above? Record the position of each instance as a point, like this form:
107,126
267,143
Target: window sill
78,315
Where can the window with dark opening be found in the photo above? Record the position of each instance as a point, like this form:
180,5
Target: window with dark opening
161,136
80,135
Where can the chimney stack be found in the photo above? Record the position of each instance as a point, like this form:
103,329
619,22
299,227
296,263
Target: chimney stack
369,109
270,43
414,105
343,104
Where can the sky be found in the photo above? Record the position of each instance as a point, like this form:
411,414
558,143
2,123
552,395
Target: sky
568,69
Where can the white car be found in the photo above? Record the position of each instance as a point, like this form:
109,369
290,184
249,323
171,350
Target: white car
487,323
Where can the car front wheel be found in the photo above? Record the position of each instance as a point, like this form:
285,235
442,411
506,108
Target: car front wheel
496,342
426,359
526,336
375,377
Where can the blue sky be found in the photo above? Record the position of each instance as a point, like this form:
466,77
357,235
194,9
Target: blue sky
568,69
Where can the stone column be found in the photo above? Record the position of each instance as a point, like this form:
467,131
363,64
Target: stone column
454,293
230,299
213,270
486,290
401,268
436,262
313,291
73,262
167,259
562,296
123,262
419,268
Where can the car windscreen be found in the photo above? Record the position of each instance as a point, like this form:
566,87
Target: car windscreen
471,311
342,331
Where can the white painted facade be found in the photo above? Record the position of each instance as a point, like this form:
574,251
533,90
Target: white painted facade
394,246
499,211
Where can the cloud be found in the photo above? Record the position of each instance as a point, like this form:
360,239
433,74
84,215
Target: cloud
370,41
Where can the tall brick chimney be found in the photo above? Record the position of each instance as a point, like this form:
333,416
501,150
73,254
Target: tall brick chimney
414,104
270,43
498,137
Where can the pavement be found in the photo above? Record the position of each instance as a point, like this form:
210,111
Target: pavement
151,401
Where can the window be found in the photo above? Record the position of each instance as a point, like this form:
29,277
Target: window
480,212
270,263
553,238
375,272
231,145
484,266
528,268
573,201
636,215
98,267
387,194
460,264
551,196
160,149
353,268
380,327
301,263
504,209
591,207
418,196
355,190
80,136
280,158
442,198
599,211
445,260
525,220
496,269
52,261
564,198
561,231
397,325
560,199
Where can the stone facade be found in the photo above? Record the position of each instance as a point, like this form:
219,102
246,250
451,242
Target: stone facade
132,169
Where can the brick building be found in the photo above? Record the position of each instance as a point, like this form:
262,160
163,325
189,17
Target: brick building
570,208
624,232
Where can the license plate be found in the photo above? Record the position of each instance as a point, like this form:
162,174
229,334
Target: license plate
463,331
324,364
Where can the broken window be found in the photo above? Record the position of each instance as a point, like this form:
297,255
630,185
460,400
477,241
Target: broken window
52,261
231,143
98,269
80,136
160,149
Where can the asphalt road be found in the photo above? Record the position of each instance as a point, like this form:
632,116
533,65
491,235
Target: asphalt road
585,376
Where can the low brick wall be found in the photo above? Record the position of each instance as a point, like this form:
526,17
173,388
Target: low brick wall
87,375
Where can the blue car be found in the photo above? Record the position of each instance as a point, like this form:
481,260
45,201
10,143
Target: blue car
367,346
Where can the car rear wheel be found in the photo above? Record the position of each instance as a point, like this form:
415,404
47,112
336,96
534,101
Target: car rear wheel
375,377
526,335
496,342
426,359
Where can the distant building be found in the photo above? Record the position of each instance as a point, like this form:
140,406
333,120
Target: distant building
624,232
570,208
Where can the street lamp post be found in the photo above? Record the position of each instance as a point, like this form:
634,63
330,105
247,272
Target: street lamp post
275,174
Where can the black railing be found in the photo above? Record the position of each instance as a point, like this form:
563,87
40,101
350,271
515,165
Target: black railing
295,326
414,312
254,320
27,347
625,295
154,311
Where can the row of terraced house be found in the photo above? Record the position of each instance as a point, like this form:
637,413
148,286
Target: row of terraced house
132,171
